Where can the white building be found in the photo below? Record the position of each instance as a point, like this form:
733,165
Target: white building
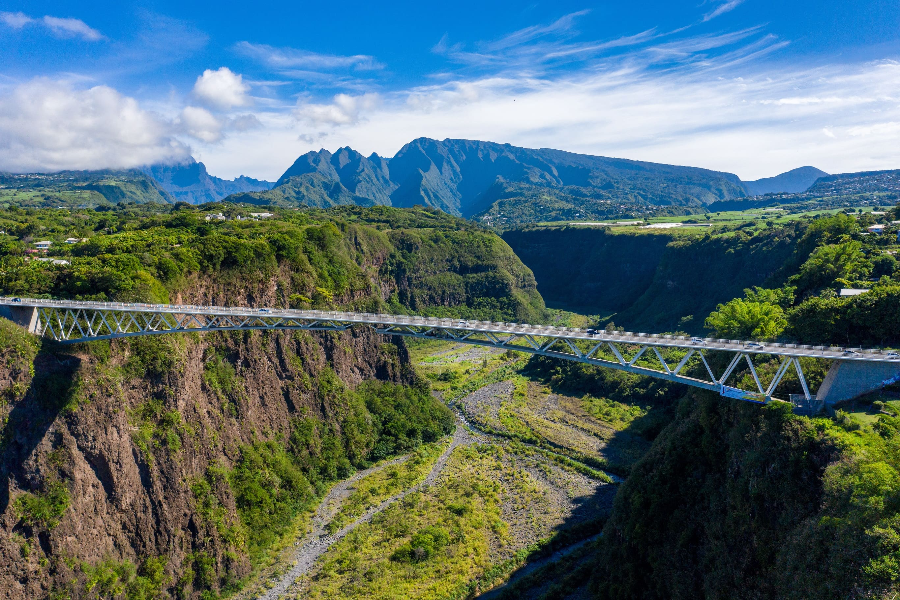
852,291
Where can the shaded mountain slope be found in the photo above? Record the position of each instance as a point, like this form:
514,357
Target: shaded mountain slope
190,182
792,182
651,281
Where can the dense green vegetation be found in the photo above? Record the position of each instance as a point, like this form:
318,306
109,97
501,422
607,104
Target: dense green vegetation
508,206
45,508
832,254
738,502
670,280
73,189
436,264
404,418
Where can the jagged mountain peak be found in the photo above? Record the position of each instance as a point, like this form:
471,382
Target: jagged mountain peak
453,175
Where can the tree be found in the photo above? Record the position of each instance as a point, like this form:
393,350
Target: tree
747,319
832,262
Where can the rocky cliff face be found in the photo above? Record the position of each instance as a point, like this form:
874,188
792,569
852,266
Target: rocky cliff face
127,427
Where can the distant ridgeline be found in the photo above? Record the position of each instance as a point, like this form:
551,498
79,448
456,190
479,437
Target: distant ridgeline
499,185
867,187
80,188
188,182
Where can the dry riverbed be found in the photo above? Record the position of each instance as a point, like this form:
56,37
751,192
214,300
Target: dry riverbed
458,518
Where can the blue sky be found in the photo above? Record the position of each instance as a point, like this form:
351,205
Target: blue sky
754,87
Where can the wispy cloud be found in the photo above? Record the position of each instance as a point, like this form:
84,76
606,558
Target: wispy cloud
72,28
160,41
282,59
721,9
61,27
343,110
16,20
540,50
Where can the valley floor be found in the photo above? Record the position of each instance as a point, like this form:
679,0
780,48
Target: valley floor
519,491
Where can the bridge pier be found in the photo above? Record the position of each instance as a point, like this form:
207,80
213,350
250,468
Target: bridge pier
849,379
26,316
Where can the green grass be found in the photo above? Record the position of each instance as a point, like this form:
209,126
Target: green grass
377,487
465,506
760,215
617,414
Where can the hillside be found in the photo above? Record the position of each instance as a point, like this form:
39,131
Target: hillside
735,500
80,188
868,188
791,182
866,182
454,175
512,205
191,183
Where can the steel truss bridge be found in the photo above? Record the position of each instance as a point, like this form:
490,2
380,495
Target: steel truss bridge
674,358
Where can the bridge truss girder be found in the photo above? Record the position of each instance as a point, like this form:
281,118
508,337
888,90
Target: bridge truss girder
545,347
648,358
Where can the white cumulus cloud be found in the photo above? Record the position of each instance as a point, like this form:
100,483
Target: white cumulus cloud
201,124
49,126
222,89
343,110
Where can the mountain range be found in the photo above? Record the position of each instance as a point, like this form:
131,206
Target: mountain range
456,176
495,183
190,182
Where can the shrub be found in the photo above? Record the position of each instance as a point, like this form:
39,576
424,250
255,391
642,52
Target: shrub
270,489
423,545
45,508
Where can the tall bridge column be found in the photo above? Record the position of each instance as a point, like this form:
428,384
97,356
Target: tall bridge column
848,379
26,316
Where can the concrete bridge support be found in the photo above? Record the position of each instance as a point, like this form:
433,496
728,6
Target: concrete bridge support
26,316
849,379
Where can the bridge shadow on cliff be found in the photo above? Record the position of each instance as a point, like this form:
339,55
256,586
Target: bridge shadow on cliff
51,392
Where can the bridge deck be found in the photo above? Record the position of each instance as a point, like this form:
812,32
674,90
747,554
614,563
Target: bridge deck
650,339
75,321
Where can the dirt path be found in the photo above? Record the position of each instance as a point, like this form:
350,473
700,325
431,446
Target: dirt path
319,540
